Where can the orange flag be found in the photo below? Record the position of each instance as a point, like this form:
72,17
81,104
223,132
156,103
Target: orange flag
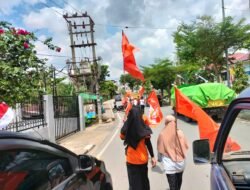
184,105
155,113
129,59
128,108
141,91
208,129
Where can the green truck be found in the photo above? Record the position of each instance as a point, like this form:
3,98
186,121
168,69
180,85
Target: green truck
213,98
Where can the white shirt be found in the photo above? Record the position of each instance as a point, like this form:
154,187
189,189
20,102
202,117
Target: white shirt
171,167
142,102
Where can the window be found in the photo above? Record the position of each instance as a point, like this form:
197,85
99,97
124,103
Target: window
238,140
25,169
236,156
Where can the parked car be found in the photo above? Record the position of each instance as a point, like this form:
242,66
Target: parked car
31,163
230,158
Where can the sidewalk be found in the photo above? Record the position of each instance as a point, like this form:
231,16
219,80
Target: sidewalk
92,138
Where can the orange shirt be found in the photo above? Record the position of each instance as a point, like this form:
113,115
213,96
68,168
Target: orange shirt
138,155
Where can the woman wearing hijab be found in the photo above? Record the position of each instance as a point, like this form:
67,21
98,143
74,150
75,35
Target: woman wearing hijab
172,147
136,136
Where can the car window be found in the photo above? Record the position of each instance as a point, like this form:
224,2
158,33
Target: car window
236,155
25,169
238,143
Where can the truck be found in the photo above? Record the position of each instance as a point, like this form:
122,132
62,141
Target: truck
213,98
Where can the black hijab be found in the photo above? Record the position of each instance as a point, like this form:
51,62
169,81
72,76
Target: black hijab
135,128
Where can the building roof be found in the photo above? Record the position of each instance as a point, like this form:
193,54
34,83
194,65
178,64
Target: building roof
239,57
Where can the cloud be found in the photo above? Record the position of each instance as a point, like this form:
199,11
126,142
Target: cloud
6,7
152,24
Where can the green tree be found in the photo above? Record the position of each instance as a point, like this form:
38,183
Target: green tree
65,89
161,75
104,73
204,41
240,78
128,79
108,89
19,64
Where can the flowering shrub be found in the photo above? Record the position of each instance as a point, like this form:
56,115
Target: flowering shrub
20,67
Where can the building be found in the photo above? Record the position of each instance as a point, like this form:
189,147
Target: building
234,59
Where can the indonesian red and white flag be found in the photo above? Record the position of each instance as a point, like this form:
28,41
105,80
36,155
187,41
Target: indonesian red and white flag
6,115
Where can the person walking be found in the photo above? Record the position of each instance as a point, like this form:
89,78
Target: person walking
142,104
172,146
136,136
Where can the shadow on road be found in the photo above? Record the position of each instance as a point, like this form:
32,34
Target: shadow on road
157,169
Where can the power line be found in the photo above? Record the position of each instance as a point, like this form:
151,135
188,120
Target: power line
52,8
56,4
138,27
237,9
51,55
70,5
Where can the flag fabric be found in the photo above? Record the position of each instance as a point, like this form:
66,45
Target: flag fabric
208,129
155,114
128,108
184,105
129,59
6,115
141,91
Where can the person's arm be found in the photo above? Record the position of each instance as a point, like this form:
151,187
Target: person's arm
150,150
122,136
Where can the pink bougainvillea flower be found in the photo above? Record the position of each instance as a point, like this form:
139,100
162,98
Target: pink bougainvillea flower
1,31
22,32
58,49
26,45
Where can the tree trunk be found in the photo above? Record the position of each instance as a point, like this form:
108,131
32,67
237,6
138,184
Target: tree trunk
217,74
169,94
162,92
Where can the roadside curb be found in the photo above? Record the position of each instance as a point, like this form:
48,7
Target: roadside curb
88,148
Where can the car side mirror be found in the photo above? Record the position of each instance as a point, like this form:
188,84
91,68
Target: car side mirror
87,162
201,151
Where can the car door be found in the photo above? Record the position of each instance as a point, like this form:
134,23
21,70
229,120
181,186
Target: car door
231,161
24,169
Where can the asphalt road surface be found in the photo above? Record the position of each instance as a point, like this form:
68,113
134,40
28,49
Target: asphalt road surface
195,177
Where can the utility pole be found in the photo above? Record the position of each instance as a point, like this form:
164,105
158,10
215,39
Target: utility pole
226,51
82,25
96,71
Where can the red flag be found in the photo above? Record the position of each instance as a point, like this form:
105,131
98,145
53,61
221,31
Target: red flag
6,115
155,113
208,129
141,91
129,59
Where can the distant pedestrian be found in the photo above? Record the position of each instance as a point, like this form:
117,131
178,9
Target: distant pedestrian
142,104
172,147
135,102
136,136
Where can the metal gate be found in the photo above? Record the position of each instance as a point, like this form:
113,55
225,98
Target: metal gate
66,113
28,114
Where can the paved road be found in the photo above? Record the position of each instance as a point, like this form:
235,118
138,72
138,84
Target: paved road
195,177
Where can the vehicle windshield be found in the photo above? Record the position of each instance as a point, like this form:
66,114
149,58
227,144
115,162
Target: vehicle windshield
238,142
